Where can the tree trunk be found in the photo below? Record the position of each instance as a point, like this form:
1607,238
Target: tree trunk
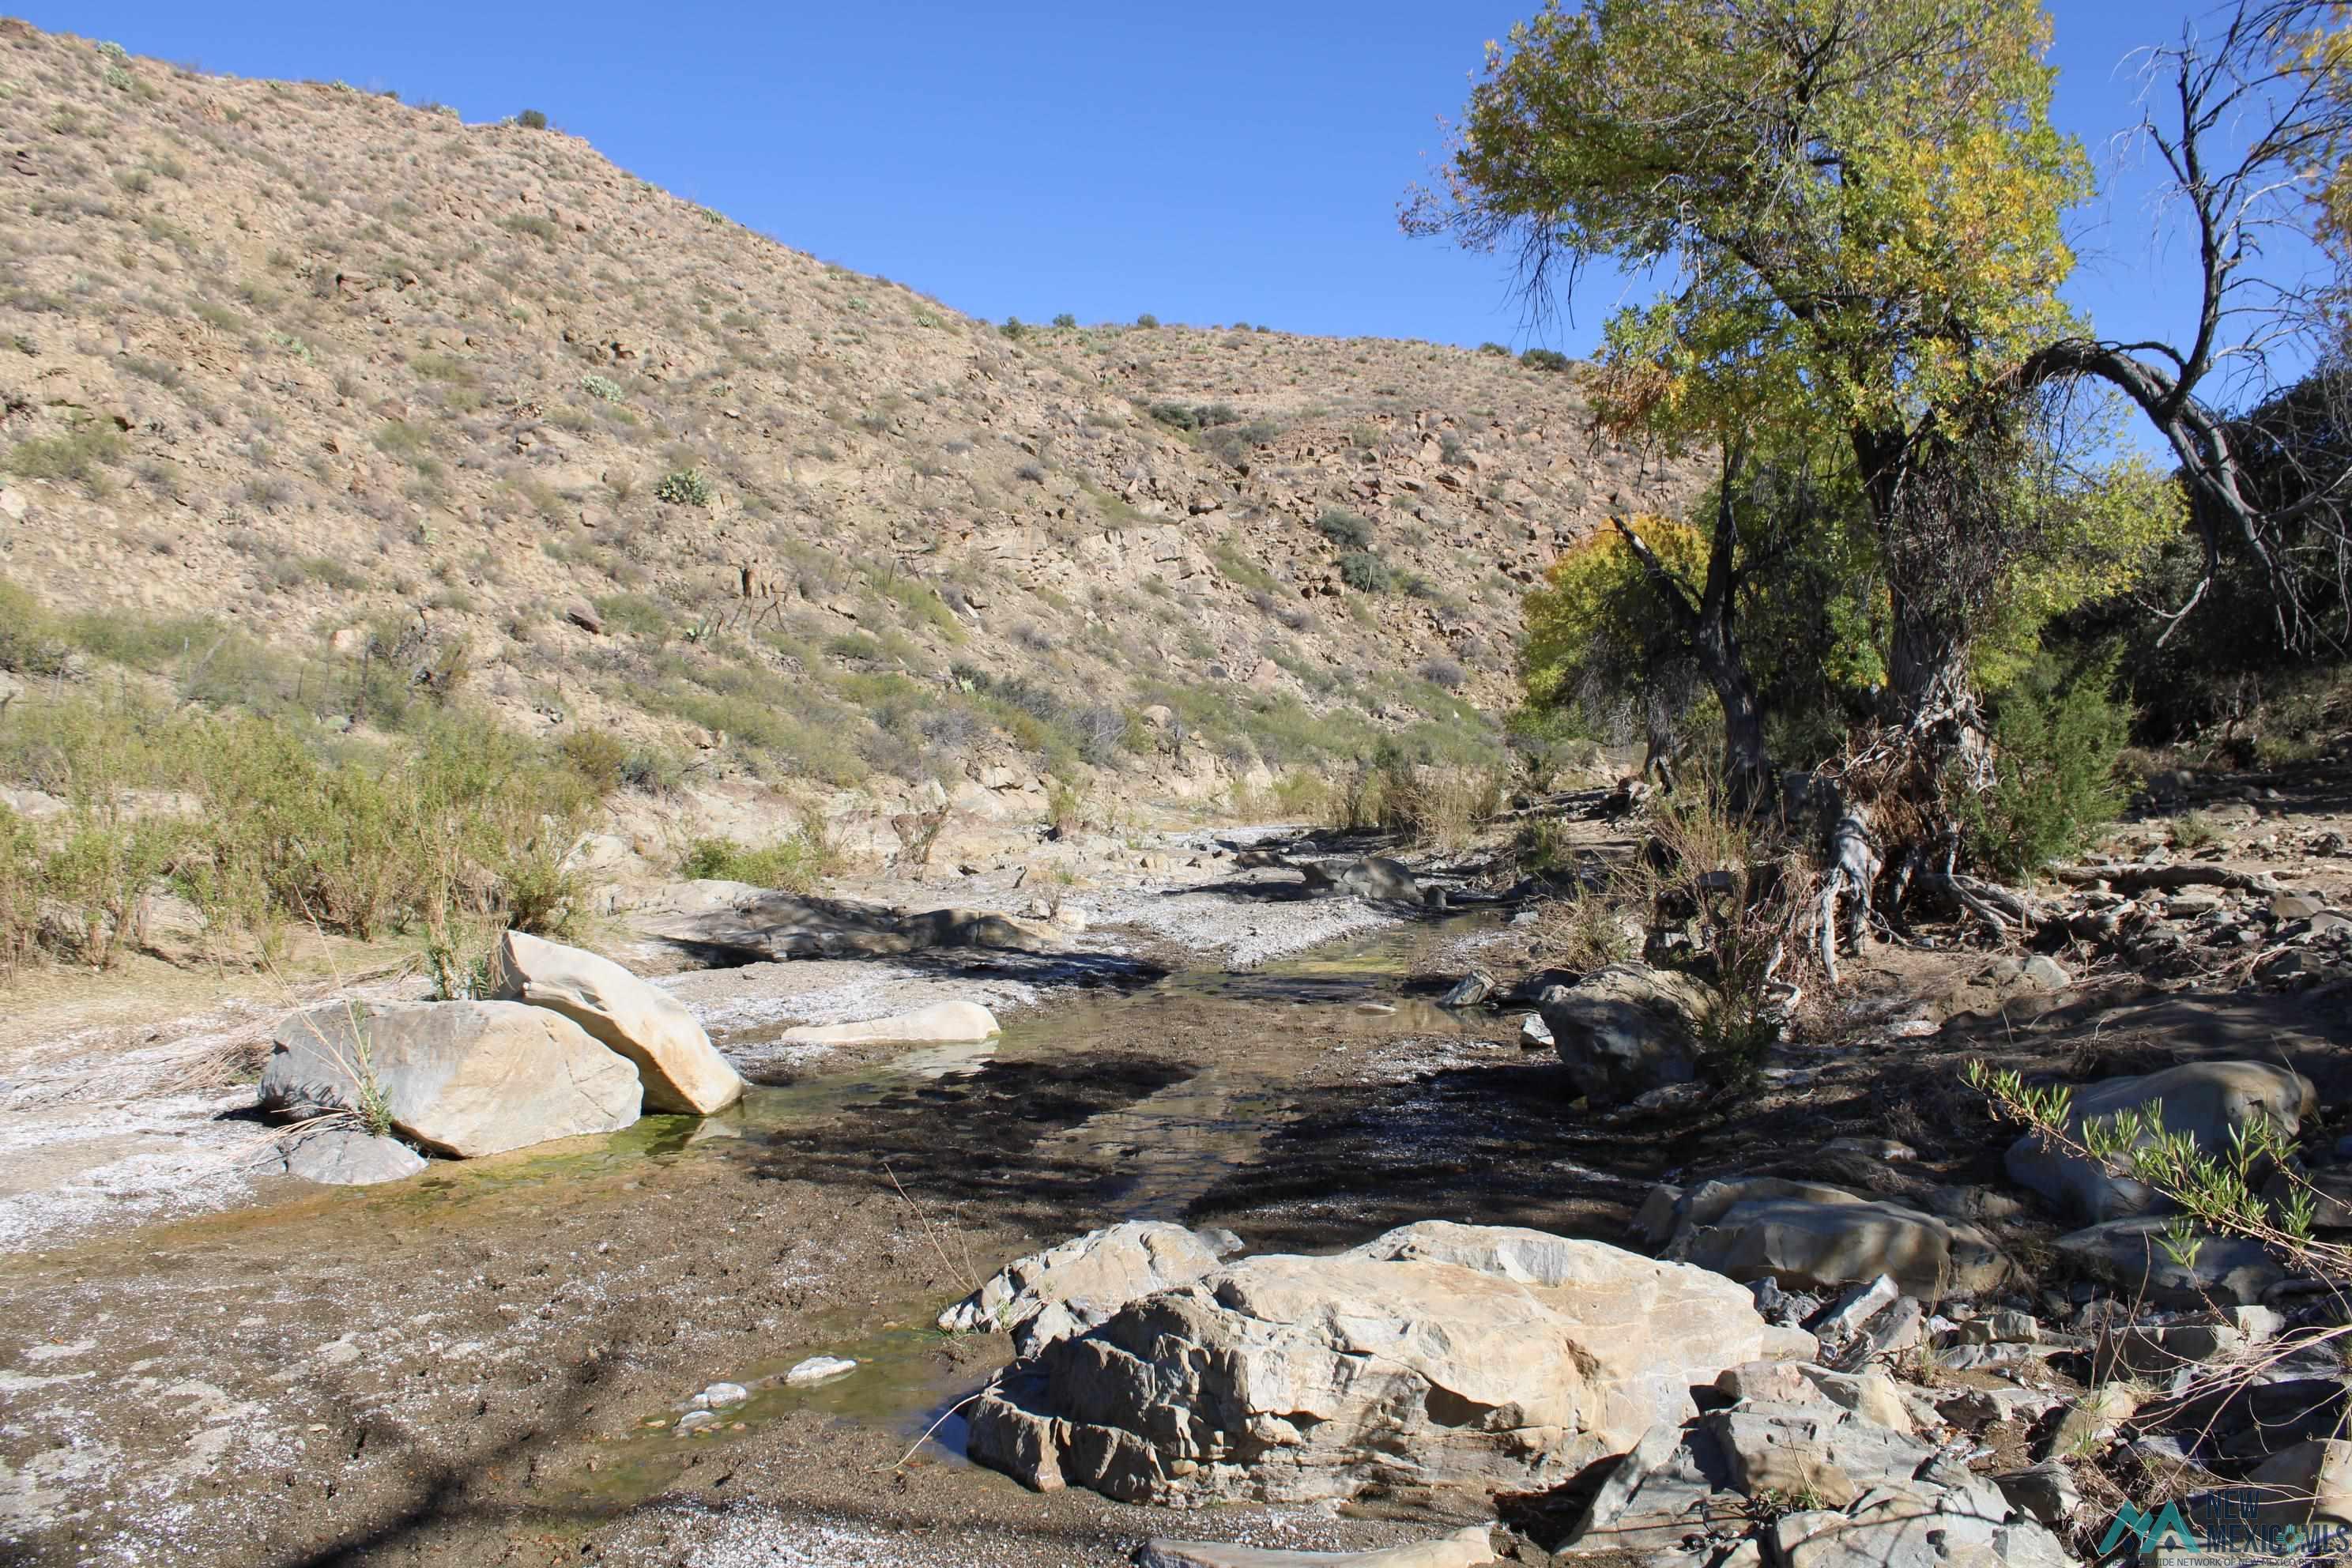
1934,703
1748,769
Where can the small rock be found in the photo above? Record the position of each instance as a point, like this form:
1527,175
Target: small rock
1856,1307
1535,1035
2046,1492
720,1395
1469,991
348,1157
695,1421
14,506
818,1369
2046,972
1886,1149
583,616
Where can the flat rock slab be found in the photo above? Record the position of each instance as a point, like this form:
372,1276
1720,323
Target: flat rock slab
682,1071
942,1022
1466,1548
461,1079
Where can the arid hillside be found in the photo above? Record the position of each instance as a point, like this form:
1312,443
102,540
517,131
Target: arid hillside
321,401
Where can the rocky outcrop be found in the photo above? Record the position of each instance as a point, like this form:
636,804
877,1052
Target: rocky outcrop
1625,1030
2208,1100
1808,1235
461,1079
1437,1355
681,1070
1068,1289
940,1024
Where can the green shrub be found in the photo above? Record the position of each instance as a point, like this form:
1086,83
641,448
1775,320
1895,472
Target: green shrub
2056,737
1065,320
685,487
600,757
79,455
601,388
795,864
1367,572
531,119
1146,319
1545,359
1345,529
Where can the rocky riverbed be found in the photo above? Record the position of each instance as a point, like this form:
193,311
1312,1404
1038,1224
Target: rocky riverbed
713,1340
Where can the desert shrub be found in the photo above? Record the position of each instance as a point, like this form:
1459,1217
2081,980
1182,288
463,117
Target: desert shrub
79,455
532,120
793,865
1367,572
600,757
685,487
1065,320
1146,320
1496,349
1065,807
1444,672
1545,359
1345,529
603,389
1102,735
2056,737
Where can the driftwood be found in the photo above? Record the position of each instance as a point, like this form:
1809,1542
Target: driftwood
2140,879
1853,868
2008,912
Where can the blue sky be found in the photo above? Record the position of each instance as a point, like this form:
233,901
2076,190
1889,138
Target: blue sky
1209,162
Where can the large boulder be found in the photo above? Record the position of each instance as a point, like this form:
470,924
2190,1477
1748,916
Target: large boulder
2208,1100
1435,1355
682,1071
1068,1289
1808,1235
940,1024
462,1078
1625,1030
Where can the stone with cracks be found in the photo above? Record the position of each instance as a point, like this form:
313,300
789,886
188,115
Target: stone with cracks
1437,1355
462,1078
682,1071
1625,1030
1068,1289
2208,1100
1808,1235
942,1023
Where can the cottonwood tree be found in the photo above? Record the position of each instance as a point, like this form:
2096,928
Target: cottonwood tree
1855,211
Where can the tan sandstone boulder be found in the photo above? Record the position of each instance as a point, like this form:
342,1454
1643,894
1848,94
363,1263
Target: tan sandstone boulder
1437,1355
682,1070
461,1079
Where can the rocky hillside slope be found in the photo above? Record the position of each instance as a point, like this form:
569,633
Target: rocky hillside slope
315,400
